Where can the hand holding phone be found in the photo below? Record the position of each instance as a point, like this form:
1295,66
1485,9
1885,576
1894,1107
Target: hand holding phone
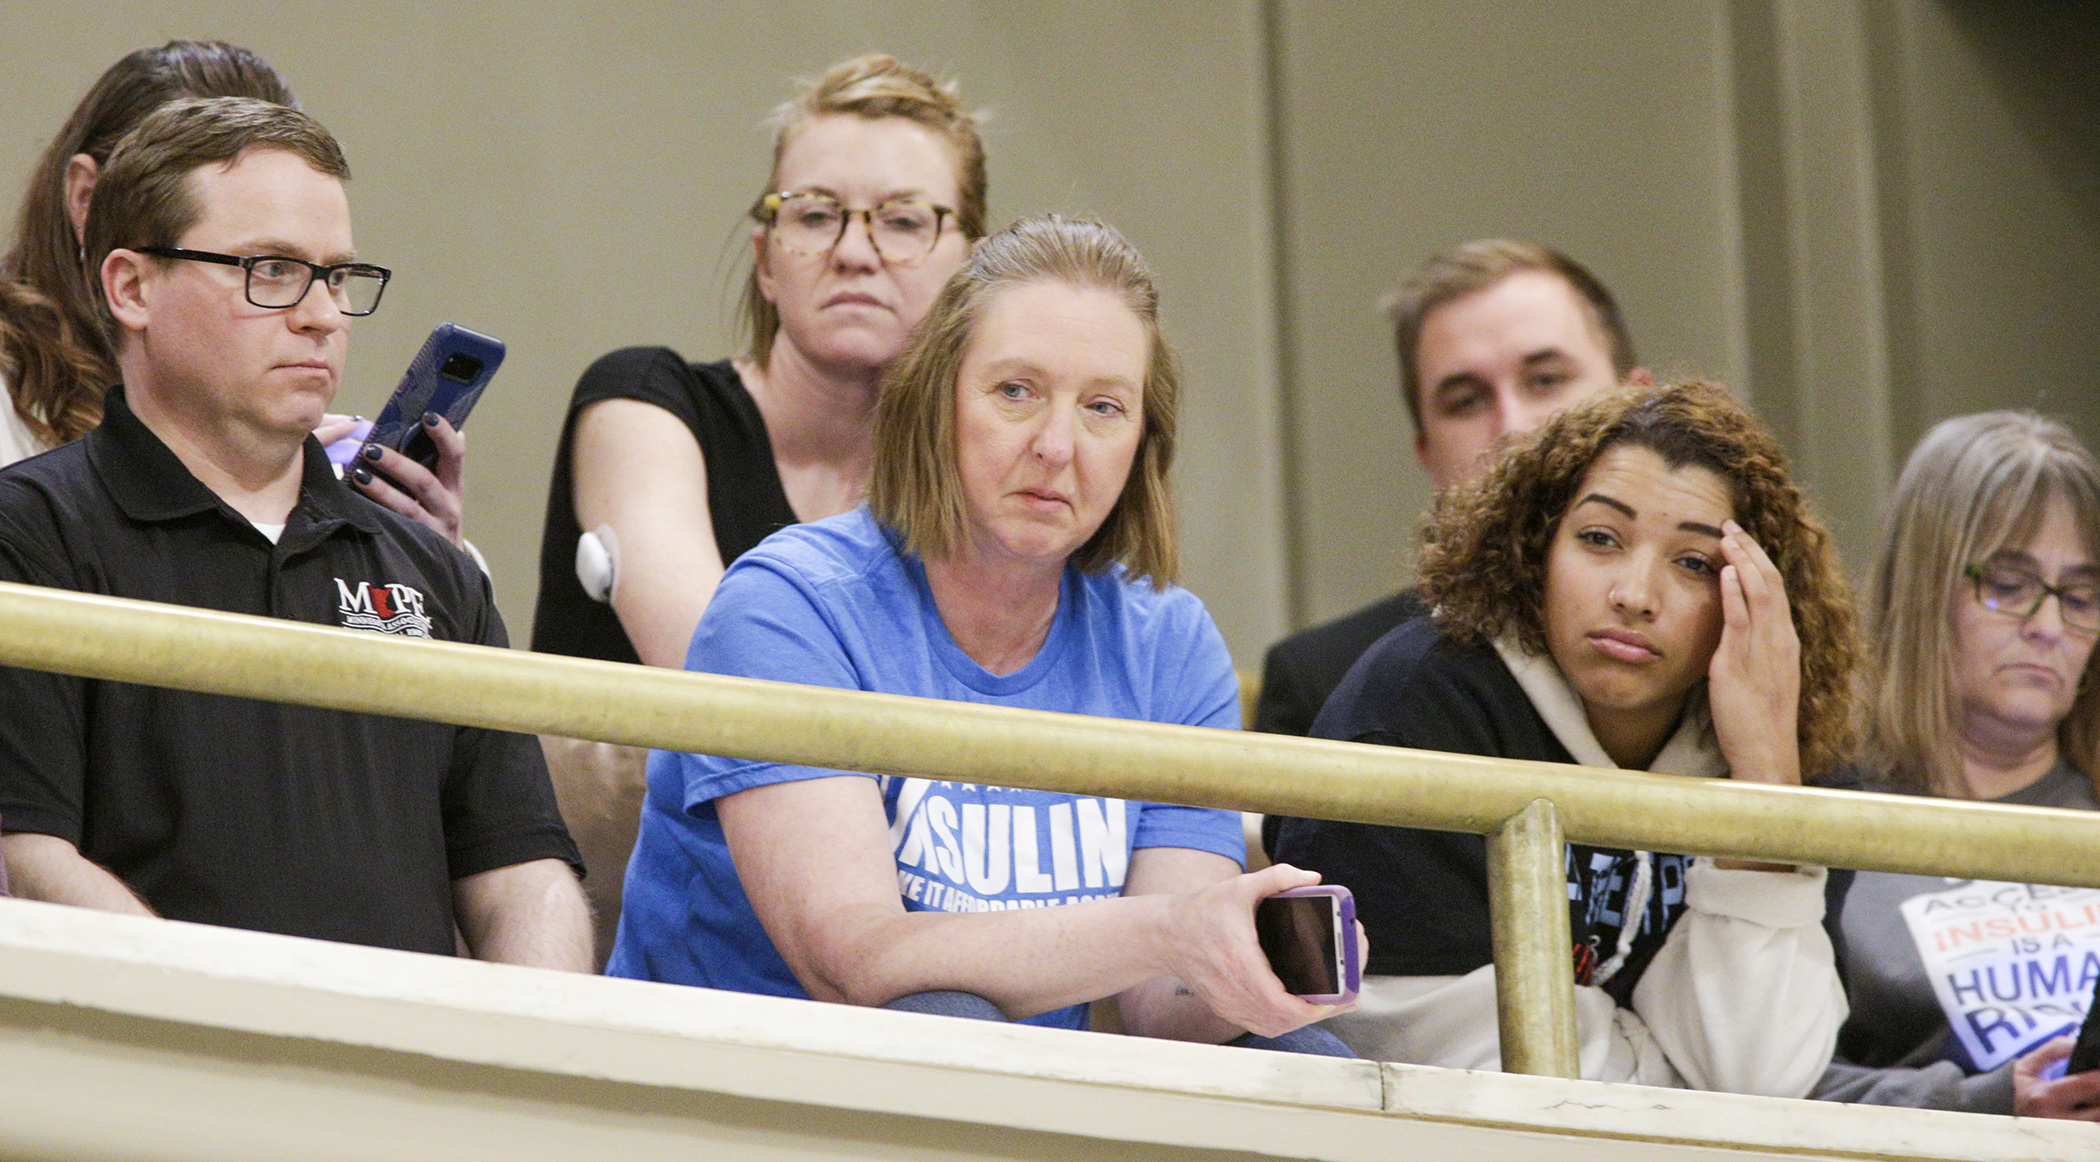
446,377
2085,1054
1309,936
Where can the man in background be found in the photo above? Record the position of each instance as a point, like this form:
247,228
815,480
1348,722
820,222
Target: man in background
1494,336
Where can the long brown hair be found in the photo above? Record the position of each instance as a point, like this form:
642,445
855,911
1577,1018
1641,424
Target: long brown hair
37,350
1485,546
58,373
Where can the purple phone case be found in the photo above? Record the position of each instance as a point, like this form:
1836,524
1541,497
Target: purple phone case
1345,941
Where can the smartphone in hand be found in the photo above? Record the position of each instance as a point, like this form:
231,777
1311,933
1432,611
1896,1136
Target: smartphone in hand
446,377
2086,1053
1309,936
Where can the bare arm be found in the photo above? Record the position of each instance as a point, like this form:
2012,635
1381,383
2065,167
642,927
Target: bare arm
529,913
815,860
1232,964
637,468
45,867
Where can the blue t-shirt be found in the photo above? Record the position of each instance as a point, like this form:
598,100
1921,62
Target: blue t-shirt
838,603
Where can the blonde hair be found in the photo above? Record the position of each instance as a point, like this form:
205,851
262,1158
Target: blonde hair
1974,485
917,484
871,87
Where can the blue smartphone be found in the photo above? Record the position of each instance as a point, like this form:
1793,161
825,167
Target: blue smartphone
447,377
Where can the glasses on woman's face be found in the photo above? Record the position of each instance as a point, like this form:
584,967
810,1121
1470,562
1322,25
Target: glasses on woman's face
902,230
2015,592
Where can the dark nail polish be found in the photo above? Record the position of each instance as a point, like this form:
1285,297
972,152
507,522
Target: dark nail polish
374,451
430,419
360,475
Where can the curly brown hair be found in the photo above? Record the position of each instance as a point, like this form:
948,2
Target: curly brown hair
1484,547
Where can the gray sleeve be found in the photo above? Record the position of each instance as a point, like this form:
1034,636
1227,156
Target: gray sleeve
1938,1086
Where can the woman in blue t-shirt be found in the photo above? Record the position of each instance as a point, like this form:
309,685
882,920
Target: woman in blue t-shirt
1017,549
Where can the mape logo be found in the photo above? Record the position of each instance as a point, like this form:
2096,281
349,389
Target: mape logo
383,608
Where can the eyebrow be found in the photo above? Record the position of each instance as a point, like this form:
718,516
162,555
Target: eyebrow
1689,526
1470,379
2025,560
284,249
999,370
901,194
1608,502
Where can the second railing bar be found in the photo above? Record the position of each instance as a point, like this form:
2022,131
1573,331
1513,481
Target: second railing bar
284,661
1534,966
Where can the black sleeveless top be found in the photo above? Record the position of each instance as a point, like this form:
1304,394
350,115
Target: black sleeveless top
744,495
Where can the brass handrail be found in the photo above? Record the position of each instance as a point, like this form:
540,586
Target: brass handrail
256,657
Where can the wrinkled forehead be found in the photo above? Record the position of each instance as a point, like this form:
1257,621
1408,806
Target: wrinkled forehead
888,155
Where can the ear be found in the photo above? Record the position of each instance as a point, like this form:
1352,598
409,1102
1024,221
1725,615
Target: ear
81,175
125,287
1640,377
758,263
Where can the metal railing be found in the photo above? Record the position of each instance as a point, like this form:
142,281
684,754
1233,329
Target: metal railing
1527,810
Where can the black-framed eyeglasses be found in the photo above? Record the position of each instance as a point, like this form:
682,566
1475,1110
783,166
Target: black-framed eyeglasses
2016,592
902,230
276,282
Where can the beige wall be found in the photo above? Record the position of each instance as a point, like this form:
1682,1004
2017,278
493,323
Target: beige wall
1411,127
1866,215
570,177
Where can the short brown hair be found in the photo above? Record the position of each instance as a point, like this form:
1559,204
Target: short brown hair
872,87
1973,485
916,488
1475,266
1485,546
144,196
60,374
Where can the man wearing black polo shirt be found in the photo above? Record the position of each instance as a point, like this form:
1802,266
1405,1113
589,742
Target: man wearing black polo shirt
222,238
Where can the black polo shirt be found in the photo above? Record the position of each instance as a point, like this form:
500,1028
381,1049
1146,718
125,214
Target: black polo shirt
245,813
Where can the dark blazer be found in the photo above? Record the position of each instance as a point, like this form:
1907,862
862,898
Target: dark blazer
1303,669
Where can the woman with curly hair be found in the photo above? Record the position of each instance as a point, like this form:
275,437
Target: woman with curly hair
1638,586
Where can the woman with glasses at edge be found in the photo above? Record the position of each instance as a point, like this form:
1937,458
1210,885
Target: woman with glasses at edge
1987,605
1639,585
1017,549
55,357
667,471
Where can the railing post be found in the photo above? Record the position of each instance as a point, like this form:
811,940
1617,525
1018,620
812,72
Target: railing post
1534,965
